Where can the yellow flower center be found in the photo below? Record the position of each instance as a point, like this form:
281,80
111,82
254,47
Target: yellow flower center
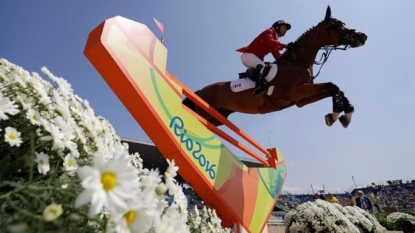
41,162
129,217
69,163
53,211
108,180
12,136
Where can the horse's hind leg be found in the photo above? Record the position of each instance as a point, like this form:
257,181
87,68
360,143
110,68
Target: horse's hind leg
338,108
346,118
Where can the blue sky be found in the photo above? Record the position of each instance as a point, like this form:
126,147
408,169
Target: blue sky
202,36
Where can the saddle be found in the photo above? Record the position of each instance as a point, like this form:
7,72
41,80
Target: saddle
247,79
249,73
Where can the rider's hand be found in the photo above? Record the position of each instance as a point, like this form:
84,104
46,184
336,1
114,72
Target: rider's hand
289,45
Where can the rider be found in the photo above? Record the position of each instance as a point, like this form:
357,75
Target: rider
267,42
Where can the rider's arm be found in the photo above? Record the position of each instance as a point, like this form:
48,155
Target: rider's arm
276,54
270,41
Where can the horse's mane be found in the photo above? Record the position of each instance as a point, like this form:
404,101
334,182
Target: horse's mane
336,21
305,33
302,36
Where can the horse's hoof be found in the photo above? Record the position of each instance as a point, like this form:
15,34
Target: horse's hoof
344,120
329,119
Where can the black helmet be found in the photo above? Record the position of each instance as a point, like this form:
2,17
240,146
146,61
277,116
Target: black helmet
282,22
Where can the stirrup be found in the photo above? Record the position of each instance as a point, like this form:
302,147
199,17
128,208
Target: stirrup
249,73
260,89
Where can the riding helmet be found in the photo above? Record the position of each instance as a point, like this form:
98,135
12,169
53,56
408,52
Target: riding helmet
282,22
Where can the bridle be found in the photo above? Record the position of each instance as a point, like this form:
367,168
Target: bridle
347,38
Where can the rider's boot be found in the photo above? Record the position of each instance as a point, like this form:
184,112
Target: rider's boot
259,80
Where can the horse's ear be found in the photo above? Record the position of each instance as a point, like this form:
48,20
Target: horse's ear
328,14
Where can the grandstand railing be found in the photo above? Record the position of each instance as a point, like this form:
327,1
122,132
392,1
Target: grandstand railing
275,222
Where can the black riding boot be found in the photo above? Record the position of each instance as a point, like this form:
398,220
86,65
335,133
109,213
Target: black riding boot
259,80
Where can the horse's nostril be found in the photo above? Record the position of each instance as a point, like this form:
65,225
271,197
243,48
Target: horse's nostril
364,36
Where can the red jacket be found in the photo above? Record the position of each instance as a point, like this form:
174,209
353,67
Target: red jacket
266,42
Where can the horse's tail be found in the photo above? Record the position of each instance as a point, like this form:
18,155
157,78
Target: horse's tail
190,104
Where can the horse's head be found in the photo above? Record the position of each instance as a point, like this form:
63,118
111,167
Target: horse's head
335,32
330,33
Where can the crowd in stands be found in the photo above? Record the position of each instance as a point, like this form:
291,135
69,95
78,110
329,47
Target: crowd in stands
391,197
291,201
396,196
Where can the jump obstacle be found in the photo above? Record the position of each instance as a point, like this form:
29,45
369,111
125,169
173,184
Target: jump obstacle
133,63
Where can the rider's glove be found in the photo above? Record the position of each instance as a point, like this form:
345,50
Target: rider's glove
290,45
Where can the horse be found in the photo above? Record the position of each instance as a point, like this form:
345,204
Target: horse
294,82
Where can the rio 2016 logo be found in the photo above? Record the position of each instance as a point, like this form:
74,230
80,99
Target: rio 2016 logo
194,147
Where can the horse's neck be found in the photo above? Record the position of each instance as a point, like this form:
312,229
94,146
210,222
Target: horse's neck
309,55
307,47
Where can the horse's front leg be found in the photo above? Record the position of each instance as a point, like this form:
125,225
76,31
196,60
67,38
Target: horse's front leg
338,108
340,103
346,118
311,93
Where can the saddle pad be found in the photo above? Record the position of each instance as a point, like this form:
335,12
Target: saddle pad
242,84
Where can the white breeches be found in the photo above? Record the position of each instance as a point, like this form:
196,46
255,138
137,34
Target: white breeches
250,60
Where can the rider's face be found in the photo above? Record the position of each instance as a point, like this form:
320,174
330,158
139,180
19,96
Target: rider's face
282,30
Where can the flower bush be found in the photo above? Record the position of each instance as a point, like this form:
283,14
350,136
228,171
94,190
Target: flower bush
63,169
323,216
393,217
401,221
205,221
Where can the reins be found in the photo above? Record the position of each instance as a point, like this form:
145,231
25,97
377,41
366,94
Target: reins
324,57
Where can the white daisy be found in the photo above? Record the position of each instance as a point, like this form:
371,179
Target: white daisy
62,105
34,116
171,222
25,101
7,107
181,201
172,169
136,160
55,135
107,184
52,212
70,163
12,136
40,89
64,87
42,160
68,136
137,219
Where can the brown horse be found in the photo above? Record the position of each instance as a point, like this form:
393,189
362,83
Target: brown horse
294,81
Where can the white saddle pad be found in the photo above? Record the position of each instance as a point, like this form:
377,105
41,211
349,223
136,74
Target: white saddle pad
246,83
242,84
